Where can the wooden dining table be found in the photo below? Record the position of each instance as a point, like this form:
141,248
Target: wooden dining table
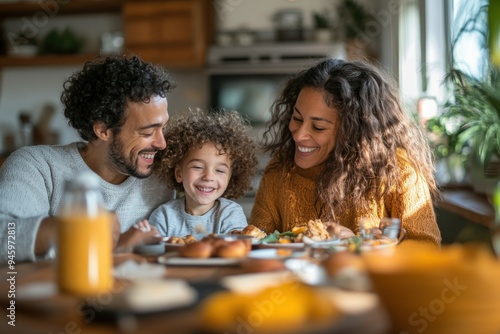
56,313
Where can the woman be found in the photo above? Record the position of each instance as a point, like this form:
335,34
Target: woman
344,150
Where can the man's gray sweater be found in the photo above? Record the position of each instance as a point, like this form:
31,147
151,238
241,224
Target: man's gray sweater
31,188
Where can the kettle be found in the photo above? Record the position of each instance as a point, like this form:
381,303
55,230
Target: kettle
288,25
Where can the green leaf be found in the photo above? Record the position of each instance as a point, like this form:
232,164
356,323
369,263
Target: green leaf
287,234
273,237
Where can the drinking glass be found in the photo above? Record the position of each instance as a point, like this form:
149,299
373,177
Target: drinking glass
390,228
369,228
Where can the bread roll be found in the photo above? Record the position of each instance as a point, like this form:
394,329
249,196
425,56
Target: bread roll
218,242
188,239
199,249
176,240
339,261
232,249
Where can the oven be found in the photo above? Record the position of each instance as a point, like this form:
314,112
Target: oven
248,78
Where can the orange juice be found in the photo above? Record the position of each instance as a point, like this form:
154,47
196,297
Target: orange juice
85,254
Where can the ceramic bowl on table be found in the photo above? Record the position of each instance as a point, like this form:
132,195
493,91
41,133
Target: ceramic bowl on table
150,249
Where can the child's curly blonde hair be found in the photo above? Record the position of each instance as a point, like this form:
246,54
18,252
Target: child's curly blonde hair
227,130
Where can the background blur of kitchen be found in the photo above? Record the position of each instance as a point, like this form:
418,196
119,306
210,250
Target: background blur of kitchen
30,83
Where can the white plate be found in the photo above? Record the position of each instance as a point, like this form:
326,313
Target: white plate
292,245
367,247
255,282
331,242
272,253
173,259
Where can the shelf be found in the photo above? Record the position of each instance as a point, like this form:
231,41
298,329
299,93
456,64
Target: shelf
30,9
45,60
173,33
73,7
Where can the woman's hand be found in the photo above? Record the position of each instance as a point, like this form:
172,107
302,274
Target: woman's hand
140,233
341,232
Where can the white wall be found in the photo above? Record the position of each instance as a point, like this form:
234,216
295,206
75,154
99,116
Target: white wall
258,14
30,88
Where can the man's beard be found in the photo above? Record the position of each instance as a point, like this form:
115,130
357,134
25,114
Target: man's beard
119,160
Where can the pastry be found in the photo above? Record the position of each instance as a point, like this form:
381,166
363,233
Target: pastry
232,249
199,249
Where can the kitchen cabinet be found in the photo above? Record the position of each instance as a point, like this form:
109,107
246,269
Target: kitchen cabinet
175,33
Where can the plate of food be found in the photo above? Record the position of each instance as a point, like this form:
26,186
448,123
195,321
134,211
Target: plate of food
174,259
314,231
252,232
274,253
210,251
282,245
358,243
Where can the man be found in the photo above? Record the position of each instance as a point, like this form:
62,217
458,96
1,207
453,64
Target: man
119,107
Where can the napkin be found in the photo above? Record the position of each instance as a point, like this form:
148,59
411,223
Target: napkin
132,270
149,295
146,289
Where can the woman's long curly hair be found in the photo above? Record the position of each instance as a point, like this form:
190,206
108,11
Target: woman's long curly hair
101,90
227,130
372,126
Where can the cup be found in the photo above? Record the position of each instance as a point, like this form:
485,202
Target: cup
369,228
390,227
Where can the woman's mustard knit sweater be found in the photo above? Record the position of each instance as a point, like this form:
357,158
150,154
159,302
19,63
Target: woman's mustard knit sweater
286,198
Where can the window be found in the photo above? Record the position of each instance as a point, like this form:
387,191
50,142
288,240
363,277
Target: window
422,48
469,31
434,37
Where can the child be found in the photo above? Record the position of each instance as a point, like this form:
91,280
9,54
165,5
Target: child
209,154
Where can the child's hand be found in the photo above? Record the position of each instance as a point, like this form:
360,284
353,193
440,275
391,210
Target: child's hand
116,228
140,233
143,225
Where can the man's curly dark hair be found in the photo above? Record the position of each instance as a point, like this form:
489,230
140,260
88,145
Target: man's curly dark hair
100,91
227,130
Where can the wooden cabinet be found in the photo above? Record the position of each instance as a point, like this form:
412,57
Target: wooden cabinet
175,33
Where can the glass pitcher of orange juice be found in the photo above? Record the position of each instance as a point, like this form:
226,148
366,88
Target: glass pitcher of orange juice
84,254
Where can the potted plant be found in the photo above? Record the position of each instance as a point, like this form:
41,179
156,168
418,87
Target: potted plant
353,18
475,105
477,110
450,154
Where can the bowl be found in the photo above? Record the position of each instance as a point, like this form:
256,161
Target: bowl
454,290
23,50
150,249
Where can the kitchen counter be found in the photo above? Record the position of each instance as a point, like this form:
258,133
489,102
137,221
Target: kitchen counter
467,204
